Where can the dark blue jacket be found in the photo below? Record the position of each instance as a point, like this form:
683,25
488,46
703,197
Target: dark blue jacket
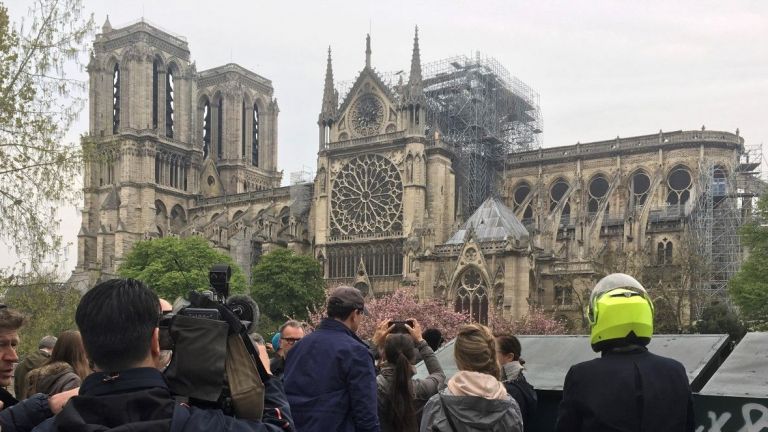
626,391
25,415
139,399
330,381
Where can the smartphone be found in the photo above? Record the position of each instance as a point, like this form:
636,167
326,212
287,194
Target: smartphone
409,322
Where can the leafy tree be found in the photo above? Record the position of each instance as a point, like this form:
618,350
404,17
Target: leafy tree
285,284
38,104
49,305
173,266
749,287
719,318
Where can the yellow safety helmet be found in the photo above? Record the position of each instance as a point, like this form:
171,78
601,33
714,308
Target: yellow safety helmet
619,310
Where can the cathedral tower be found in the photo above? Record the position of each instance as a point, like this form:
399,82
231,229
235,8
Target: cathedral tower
371,188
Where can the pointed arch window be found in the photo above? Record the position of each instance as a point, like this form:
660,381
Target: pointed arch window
116,98
155,92
242,131
664,252
680,183
220,129
170,92
206,128
255,142
472,296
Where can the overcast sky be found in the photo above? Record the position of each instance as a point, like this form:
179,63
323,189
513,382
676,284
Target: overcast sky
601,68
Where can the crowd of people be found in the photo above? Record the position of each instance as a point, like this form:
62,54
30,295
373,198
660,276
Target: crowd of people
108,375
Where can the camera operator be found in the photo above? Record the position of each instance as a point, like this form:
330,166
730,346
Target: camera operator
118,320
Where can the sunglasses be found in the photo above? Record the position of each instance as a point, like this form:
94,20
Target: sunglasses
291,340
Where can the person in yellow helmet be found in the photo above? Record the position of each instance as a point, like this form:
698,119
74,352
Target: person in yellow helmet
627,388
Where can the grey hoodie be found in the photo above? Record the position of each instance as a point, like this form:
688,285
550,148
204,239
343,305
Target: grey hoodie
470,413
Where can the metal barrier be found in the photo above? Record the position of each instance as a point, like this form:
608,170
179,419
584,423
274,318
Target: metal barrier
730,388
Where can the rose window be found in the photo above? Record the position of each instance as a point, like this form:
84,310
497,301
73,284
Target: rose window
367,115
367,197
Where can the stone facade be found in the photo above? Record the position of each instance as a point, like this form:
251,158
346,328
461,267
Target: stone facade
182,152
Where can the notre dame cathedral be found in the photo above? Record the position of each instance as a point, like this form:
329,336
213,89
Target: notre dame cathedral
422,180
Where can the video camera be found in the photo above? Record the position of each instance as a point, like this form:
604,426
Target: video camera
202,334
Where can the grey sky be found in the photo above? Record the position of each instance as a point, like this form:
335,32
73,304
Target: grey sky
602,69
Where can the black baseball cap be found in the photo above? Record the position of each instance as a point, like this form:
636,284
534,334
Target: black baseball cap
346,296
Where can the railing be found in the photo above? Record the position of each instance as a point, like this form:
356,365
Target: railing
365,140
622,144
280,192
371,236
573,267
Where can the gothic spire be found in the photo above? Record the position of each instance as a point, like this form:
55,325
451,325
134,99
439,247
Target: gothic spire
414,91
415,77
330,96
107,27
368,51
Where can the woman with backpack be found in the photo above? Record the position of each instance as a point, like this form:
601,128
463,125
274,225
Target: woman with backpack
474,398
401,398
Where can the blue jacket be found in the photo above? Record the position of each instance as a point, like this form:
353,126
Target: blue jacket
330,381
626,390
139,399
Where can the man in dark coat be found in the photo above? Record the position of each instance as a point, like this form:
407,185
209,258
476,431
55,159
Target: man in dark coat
32,361
118,321
15,415
627,388
330,378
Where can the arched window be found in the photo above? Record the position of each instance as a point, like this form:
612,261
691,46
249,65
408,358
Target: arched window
169,104
518,198
557,192
155,92
116,98
664,252
242,130
639,185
472,296
563,296
206,128
719,183
220,128
255,142
598,189
679,182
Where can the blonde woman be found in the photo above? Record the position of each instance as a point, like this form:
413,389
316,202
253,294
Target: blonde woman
474,399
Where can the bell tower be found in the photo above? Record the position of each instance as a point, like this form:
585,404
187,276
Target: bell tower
141,170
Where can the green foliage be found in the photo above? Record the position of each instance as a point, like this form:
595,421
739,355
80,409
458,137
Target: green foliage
287,285
749,287
172,266
38,104
50,307
719,318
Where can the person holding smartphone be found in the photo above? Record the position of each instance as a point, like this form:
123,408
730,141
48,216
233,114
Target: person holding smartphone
401,398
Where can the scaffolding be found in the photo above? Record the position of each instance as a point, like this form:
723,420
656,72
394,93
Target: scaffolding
479,109
484,113
724,201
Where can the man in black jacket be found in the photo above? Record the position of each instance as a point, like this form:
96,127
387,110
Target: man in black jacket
118,321
627,388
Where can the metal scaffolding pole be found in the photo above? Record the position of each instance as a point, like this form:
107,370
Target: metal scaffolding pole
724,201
